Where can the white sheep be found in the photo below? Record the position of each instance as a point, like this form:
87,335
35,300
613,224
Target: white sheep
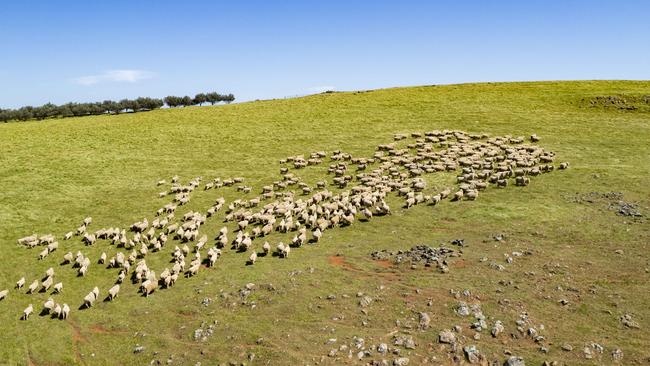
47,283
65,312
266,247
58,287
68,235
102,258
32,287
20,283
48,305
27,312
56,312
43,254
252,258
113,291
49,272
3,294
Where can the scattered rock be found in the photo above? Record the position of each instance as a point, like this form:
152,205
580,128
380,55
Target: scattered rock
567,347
425,320
617,355
365,301
382,348
462,309
472,354
402,361
447,336
515,361
497,329
629,322
138,348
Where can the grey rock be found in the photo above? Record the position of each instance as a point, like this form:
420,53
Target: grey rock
382,348
138,348
497,329
447,336
617,355
462,309
425,321
365,301
515,361
567,347
472,354
402,361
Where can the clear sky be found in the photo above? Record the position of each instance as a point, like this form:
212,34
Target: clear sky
60,51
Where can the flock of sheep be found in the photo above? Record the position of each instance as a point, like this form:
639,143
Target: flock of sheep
358,192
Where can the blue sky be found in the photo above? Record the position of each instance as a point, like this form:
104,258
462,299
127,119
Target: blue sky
60,51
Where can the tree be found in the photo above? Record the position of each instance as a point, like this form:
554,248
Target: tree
213,98
172,101
200,98
186,101
228,98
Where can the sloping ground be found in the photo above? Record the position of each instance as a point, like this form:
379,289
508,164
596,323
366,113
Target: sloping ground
584,267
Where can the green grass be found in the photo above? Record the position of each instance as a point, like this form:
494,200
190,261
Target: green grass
54,173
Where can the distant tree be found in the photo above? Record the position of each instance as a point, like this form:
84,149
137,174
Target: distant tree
172,101
186,101
200,99
213,98
228,98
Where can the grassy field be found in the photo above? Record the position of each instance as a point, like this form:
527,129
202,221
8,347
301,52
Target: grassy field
54,173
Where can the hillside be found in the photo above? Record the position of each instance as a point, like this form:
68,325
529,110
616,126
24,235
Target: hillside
581,279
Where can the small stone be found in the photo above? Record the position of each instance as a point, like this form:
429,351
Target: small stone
462,309
402,361
472,354
365,301
447,336
587,353
617,355
425,320
332,352
138,349
382,348
515,361
629,322
497,329
567,347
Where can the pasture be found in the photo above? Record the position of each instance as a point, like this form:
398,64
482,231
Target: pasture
581,281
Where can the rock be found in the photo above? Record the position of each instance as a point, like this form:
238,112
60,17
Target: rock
515,361
360,354
425,320
497,329
138,349
409,343
472,354
365,301
332,352
447,336
567,347
462,309
382,348
617,355
629,322
402,361
587,352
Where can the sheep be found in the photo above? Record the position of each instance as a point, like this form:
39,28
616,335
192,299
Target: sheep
266,247
148,287
193,270
27,312
47,284
43,254
28,239
102,258
89,300
20,283
534,138
458,196
113,291
317,234
56,312
49,272
83,270
65,312
53,246
58,287
563,166
252,258
88,220
161,182
3,294
32,287
48,306
121,276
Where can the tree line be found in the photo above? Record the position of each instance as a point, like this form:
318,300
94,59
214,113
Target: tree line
50,110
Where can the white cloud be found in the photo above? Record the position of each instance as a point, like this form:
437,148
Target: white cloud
123,76
320,89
